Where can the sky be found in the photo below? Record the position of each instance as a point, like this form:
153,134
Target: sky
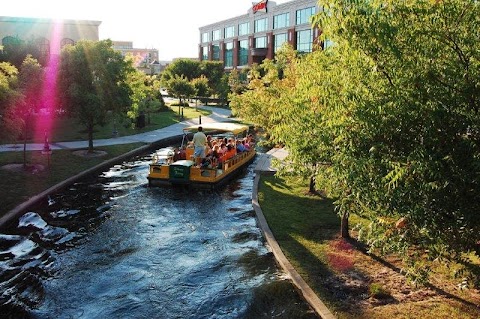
171,26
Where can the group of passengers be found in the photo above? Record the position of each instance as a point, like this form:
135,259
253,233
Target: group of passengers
213,152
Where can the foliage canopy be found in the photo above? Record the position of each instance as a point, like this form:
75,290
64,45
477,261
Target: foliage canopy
390,114
93,81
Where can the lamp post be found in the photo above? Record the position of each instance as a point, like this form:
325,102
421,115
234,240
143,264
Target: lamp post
114,132
46,149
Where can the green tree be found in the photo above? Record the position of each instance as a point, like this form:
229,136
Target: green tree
213,71
146,95
188,68
180,87
93,82
15,50
275,102
237,81
389,113
201,88
137,81
404,122
10,98
31,78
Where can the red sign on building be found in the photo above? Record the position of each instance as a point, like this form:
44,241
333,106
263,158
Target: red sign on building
260,6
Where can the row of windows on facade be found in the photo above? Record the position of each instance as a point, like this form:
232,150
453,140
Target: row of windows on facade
42,44
261,25
304,44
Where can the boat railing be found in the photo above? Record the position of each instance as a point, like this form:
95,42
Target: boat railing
234,160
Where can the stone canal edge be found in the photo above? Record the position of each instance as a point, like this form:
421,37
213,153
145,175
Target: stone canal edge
263,167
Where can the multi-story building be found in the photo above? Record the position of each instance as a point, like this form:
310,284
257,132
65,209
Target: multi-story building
250,38
49,35
145,60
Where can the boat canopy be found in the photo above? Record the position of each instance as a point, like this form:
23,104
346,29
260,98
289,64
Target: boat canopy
235,128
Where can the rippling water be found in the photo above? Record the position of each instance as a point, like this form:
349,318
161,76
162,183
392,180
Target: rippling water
114,248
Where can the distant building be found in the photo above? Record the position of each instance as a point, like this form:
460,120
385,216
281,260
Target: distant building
250,38
49,35
145,60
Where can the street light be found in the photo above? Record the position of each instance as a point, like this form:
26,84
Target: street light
46,149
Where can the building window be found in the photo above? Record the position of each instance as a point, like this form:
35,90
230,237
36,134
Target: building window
303,15
205,53
261,42
66,41
243,52
43,46
8,40
215,35
327,43
261,25
304,41
281,21
279,40
244,28
216,52
229,32
229,54
205,37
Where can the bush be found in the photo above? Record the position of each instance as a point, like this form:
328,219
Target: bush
180,104
159,106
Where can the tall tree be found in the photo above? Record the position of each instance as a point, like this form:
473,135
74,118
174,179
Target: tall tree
213,71
92,78
31,78
10,99
405,122
15,50
201,88
188,68
390,111
180,87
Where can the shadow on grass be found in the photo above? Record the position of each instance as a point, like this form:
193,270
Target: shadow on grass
305,227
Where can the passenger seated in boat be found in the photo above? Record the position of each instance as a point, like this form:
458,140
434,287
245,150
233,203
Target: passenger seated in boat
223,149
231,152
211,160
249,141
240,147
209,141
179,154
244,143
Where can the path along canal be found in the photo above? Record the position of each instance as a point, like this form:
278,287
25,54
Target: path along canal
112,247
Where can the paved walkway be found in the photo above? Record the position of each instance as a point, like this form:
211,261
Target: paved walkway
218,115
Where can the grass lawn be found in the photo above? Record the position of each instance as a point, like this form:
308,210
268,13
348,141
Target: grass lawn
18,186
350,282
68,129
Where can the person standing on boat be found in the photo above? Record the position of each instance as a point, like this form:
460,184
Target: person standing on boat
199,142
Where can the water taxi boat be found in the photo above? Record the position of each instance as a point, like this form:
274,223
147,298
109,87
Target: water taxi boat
172,166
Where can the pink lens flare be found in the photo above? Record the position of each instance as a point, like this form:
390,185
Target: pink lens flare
45,119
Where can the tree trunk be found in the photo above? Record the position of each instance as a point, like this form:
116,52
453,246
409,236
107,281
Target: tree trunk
25,133
312,184
344,226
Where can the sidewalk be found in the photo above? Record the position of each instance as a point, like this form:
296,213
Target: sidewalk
218,115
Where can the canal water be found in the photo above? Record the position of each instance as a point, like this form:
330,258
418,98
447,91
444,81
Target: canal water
111,247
